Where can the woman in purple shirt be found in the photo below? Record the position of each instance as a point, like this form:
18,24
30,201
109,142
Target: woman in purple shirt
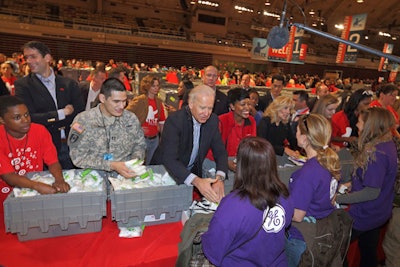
248,228
371,193
312,187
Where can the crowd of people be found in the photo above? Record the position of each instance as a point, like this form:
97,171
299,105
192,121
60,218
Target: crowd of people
50,120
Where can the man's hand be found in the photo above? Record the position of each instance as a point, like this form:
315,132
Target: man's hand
43,188
68,110
121,168
232,165
204,186
219,189
61,186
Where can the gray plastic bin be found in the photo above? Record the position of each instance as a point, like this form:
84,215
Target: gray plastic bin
152,205
46,216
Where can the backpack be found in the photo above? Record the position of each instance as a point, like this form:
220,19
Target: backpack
190,246
327,240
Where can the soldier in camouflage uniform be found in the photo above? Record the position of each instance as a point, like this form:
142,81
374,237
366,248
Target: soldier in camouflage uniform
106,136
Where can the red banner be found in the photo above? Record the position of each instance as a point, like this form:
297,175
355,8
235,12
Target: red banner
384,62
353,27
293,51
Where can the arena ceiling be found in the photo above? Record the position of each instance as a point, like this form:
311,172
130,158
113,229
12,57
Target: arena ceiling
382,16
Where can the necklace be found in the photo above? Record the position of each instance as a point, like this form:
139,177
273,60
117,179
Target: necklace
10,155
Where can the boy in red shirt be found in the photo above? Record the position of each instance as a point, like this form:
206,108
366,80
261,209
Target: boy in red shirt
24,147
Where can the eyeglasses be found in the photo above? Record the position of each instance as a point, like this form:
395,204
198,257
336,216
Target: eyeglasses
305,117
368,92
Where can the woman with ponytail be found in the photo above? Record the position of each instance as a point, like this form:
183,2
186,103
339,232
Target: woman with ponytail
312,187
372,190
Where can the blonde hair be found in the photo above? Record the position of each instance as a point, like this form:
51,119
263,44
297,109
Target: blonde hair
318,131
378,123
278,104
323,103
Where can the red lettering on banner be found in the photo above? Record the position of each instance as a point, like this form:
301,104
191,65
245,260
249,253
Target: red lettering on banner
345,36
303,51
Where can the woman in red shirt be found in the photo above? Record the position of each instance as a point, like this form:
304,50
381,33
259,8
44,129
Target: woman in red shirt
149,109
236,124
387,95
344,129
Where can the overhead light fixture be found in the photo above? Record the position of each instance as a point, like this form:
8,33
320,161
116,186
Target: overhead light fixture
360,1
339,26
385,34
394,38
366,37
208,3
311,12
244,9
314,24
267,3
269,14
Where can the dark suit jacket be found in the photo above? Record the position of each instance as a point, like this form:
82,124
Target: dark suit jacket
276,135
176,145
264,101
3,88
221,105
84,87
41,105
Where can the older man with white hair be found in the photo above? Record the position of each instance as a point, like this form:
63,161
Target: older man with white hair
187,136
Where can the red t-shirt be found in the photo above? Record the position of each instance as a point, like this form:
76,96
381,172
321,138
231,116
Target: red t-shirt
154,117
25,155
232,133
339,124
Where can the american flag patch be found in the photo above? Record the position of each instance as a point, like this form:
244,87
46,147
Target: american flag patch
78,128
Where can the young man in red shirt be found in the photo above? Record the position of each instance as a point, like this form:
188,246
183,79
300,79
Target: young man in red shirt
24,148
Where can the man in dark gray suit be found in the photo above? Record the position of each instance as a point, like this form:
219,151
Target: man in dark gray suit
187,136
91,89
52,100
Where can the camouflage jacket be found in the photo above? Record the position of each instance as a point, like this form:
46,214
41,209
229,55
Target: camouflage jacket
94,135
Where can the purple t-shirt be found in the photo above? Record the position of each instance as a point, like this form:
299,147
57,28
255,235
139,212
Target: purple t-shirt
380,173
237,220
310,189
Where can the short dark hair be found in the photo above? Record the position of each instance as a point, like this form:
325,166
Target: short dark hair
111,84
386,89
303,95
97,71
237,94
253,91
39,46
114,72
279,78
8,101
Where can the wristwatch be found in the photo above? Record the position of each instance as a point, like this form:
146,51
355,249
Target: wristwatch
221,178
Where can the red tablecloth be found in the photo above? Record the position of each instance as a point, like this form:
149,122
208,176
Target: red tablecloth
157,247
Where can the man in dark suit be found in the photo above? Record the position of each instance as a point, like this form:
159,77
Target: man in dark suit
277,84
210,78
3,88
91,89
187,136
52,100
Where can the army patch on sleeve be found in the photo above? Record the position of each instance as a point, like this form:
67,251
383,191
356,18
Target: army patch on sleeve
78,128
73,138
